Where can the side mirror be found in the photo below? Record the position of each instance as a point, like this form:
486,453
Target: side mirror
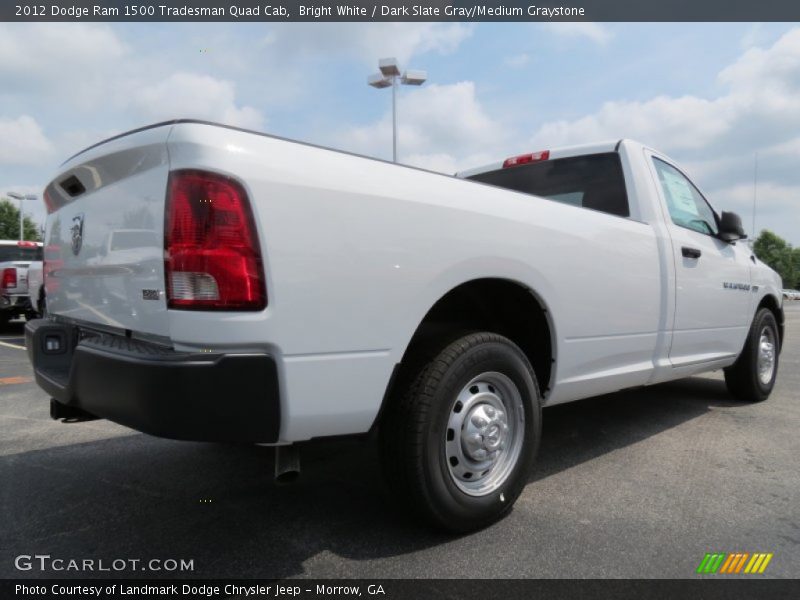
730,227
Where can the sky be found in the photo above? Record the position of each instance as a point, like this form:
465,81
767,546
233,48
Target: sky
710,95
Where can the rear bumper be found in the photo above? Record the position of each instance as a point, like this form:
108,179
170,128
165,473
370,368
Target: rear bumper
185,396
16,302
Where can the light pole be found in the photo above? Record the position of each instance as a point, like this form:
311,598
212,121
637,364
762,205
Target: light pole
21,197
389,75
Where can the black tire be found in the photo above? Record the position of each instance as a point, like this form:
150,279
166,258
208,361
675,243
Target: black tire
742,378
415,426
42,306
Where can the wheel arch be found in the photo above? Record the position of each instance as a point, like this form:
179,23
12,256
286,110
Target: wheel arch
500,305
771,303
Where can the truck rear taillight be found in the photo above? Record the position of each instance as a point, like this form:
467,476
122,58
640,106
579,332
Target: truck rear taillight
212,257
9,279
524,159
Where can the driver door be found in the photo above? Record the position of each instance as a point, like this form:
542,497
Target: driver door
712,277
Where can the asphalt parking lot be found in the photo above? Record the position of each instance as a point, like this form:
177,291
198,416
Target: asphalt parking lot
634,484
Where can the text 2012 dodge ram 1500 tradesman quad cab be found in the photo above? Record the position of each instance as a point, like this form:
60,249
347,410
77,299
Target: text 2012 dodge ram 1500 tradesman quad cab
287,292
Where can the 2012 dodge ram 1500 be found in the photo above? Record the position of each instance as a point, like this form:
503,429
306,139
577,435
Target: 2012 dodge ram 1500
272,292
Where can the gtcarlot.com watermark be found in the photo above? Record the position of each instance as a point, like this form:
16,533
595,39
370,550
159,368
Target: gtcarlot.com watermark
48,563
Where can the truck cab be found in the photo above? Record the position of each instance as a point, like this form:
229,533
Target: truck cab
709,275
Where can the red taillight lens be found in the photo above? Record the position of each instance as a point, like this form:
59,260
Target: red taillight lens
524,159
23,244
9,279
52,262
212,259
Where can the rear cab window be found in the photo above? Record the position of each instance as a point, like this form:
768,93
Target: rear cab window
593,181
9,252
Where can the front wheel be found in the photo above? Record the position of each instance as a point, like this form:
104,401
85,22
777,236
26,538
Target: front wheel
752,377
459,439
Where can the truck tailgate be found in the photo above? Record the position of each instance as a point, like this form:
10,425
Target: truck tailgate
105,234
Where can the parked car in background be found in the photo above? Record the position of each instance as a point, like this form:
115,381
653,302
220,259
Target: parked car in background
791,294
16,258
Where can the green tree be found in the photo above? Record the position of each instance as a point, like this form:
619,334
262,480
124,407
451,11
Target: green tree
9,223
778,254
796,262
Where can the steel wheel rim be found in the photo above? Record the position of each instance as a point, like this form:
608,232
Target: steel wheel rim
766,355
484,435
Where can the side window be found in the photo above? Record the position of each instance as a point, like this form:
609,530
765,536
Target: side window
686,205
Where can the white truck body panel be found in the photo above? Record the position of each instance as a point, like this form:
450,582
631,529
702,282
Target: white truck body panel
357,251
125,181
35,284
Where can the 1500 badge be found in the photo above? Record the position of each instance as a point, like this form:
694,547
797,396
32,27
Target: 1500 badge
745,287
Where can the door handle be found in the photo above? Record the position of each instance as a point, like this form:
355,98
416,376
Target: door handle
690,252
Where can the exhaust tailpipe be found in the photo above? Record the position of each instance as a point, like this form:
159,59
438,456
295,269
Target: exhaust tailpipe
287,464
69,414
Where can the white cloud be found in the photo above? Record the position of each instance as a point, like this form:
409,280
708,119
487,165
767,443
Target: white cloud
595,32
23,142
716,138
439,126
678,123
366,41
190,95
754,36
517,61
777,206
76,61
41,49
761,108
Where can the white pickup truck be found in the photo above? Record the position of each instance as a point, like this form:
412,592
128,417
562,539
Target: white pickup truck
287,292
17,258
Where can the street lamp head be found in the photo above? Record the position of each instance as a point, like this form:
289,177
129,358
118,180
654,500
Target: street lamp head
414,77
389,67
378,81
31,196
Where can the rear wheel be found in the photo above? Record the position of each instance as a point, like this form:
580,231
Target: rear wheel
752,377
459,439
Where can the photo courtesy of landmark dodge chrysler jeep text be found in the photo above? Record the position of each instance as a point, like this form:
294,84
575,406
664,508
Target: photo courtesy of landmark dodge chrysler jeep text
221,285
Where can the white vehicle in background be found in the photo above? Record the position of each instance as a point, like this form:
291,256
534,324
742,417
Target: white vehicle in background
791,294
16,258
285,292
